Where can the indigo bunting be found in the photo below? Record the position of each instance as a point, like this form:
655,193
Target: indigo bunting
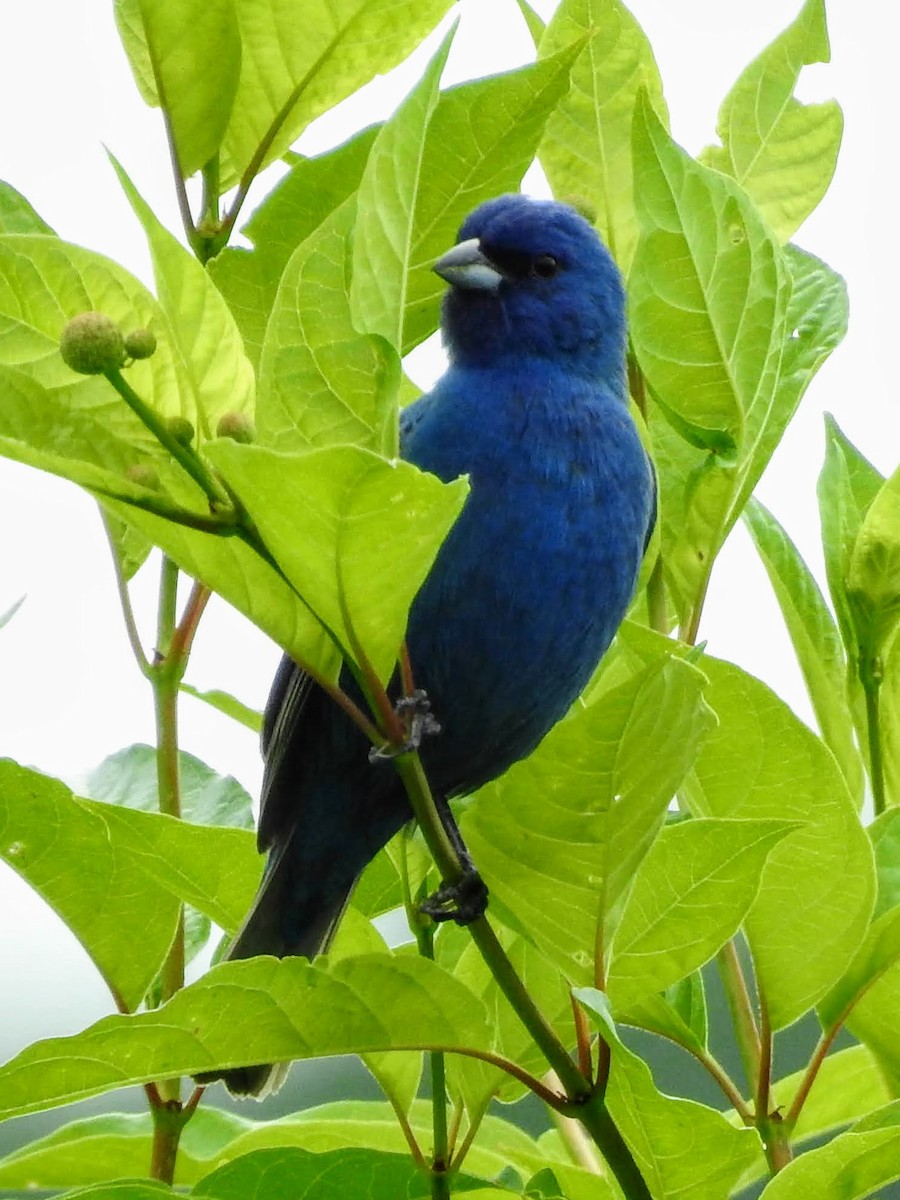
528,589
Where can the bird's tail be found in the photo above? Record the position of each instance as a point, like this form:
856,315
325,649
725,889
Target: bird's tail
285,920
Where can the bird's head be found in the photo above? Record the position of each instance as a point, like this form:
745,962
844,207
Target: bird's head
531,278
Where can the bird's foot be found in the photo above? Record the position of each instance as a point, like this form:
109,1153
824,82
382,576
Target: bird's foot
463,902
419,721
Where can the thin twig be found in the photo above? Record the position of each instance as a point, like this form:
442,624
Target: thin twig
131,629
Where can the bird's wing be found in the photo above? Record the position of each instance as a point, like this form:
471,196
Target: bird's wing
286,709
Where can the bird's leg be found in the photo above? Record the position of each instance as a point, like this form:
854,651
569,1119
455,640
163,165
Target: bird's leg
466,900
415,712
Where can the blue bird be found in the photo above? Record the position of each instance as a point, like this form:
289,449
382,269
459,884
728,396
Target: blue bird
525,594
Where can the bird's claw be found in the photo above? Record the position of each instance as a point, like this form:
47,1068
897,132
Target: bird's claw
415,711
463,902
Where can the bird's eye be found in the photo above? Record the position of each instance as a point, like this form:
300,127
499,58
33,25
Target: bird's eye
545,266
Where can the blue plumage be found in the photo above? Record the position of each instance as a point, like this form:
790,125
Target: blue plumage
527,591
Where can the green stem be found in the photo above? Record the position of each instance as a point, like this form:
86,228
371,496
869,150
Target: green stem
585,1106
657,610
168,1122
870,677
440,1155
741,1011
183,455
131,629
165,677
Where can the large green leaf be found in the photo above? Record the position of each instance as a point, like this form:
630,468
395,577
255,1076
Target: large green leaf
117,1146
204,331
261,1010
244,579
817,888
669,1137
186,58
321,383
128,777
560,836
355,534
332,1175
383,236
815,637
708,292
481,139
476,1082
117,877
849,1167
587,150
702,491
690,895
287,216
293,70
782,152
17,215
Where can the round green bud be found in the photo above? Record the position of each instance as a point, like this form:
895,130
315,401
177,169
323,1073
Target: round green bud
237,426
181,430
144,475
92,343
140,343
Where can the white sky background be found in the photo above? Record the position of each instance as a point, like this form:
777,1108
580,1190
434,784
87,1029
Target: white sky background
70,693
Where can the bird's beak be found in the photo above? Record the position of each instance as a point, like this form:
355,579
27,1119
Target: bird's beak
465,266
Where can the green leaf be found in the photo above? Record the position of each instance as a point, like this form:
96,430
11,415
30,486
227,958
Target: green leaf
227,704
321,383
246,581
708,293
481,139
333,1175
370,531
815,637
669,1137
879,951
120,1191
660,1015
476,1082
848,1086
783,153
847,486
17,215
382,240
373,1125
889,721
560,836
690,895
851,1167
116,1146
817,888
287,216
43,283
587,150
242,1013
128,777
204,330
292,71
117,877
885,834
191,52
873,574
701,496
533,20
